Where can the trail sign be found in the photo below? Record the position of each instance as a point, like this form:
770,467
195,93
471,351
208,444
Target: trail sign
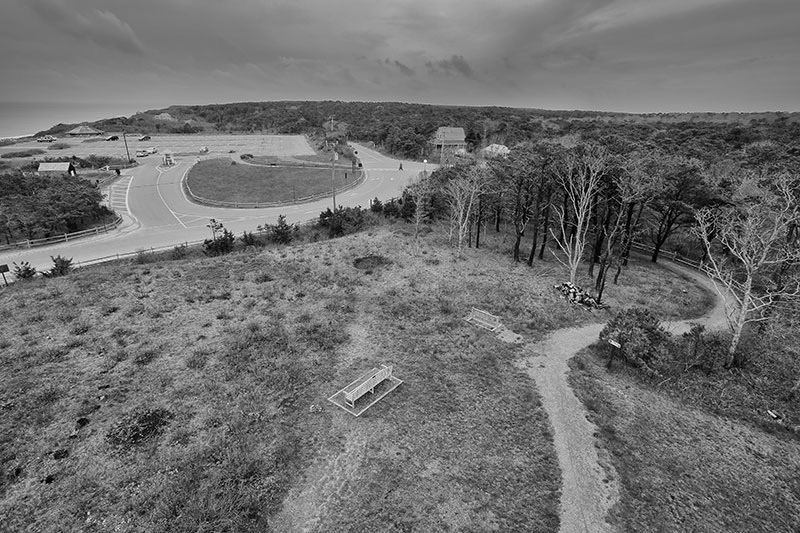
3,270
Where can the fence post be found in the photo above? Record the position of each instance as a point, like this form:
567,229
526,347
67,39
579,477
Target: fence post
66,238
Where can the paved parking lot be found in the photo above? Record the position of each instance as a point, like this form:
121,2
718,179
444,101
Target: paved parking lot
276,145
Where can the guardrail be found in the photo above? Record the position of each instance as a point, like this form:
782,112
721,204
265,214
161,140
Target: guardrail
259,205
66,237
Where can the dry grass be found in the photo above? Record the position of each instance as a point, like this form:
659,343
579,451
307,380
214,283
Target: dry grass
685,468
220,180
175,395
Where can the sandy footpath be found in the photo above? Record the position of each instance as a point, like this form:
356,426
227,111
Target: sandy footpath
588,490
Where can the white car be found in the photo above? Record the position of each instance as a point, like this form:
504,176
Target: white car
151,150
142,153
46,139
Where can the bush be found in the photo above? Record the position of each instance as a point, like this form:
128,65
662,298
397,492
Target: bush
377,206
640,335
58,146
24,271
179,252
391,209
343,221
223,240
249,239
280,233
22,153
700,349
61,267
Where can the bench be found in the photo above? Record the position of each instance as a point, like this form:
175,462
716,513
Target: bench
483,319
366,383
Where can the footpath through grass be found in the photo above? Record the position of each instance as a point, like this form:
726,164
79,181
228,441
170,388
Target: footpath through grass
176,395
225,180
697,452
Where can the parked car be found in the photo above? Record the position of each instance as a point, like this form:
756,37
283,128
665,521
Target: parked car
151,150
142,153
144,138
46,139
112,138
204,150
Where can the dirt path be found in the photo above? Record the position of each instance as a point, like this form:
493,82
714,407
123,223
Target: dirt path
588,490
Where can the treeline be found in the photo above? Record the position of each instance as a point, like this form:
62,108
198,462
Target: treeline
405,129
32,208
584,204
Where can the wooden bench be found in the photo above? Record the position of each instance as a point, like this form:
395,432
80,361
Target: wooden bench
366,383
483,319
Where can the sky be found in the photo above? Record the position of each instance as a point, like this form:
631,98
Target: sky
610,55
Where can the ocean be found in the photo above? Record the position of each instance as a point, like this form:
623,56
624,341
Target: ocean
26,118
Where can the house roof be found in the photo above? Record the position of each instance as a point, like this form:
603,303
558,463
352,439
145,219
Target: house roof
55,167
84,130
448,135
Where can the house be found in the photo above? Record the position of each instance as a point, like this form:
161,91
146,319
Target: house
448,141
84,131
51,169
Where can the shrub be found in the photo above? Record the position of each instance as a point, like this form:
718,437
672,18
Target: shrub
179,252
22,153
223,240
280,233
343,221
391,209
377,206
640,335
249,239
138,426
58,146
700,349
61,267
24,271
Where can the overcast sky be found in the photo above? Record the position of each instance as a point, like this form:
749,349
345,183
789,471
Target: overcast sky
617,55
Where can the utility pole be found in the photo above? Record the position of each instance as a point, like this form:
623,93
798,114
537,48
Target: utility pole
333,170
126,147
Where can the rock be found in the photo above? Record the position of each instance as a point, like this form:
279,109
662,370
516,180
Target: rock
81,422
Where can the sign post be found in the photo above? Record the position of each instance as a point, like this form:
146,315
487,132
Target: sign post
3,270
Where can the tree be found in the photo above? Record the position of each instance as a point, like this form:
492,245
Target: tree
747,243
462,194
577,172
420,190
682,189
517,181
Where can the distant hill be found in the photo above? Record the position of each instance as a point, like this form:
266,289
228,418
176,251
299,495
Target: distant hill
404,128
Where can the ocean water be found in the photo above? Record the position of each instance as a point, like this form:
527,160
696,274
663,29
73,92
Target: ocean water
26,118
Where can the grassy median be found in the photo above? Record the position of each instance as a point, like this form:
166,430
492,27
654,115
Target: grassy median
225,180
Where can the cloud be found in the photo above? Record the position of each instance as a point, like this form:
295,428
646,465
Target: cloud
98,26
456,63
408,71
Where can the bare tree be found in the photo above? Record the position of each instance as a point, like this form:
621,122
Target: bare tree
462,195
578,173
754,237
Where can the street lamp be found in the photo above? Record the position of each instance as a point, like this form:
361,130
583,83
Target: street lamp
425,167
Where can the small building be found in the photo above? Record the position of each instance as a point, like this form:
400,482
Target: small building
51,169
84,131
448,141
168,158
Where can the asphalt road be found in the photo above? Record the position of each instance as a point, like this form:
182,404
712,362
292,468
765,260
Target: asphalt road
159,214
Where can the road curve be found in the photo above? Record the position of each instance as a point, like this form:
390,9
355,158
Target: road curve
587,490
161,215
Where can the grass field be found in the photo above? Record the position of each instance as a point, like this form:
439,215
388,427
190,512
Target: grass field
688,455
219,180
176,396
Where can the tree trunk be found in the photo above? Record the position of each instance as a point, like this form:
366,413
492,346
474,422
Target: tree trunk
517,242
480,221
741,320
546,224
535,228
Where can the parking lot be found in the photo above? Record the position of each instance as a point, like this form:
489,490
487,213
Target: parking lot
275,145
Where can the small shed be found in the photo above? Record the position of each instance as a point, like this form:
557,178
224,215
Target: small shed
168,158
51,169
84,131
